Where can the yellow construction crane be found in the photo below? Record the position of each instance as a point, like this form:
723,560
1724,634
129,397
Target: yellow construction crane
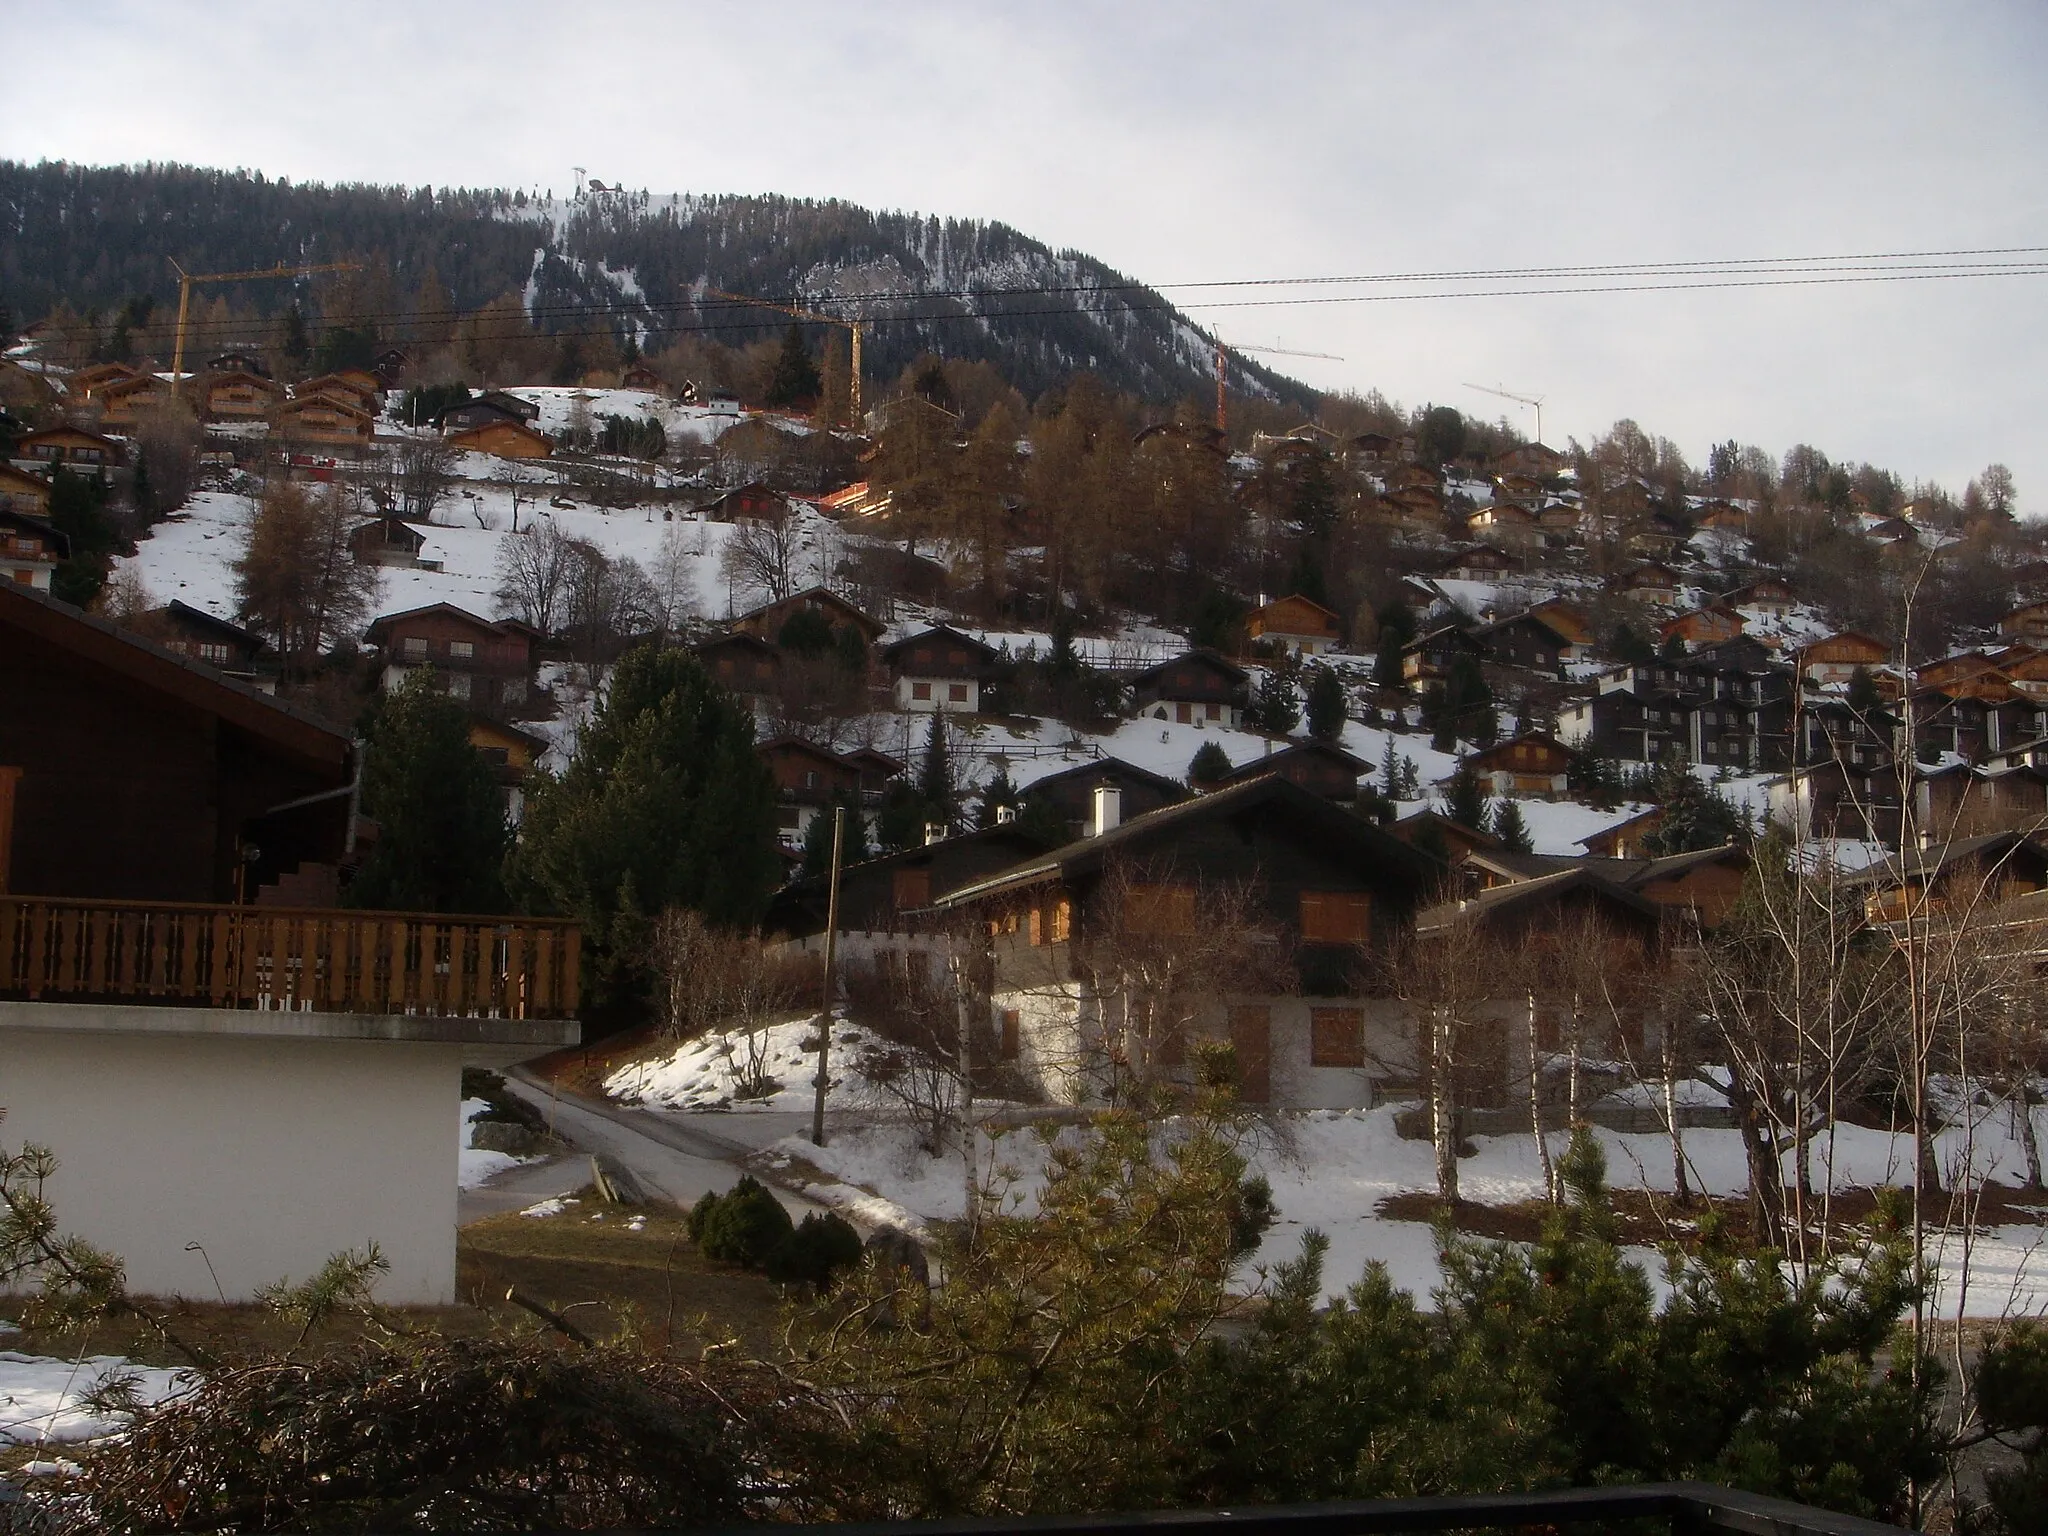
1535,401
1223,351
855,326
187,279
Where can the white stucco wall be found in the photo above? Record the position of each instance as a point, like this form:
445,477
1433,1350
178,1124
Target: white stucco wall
273,1149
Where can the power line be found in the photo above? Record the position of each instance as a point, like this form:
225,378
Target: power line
236,330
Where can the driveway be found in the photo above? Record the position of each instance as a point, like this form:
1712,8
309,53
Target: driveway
679,1159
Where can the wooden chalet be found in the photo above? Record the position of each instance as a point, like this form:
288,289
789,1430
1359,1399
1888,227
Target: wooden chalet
130,773
1508,524
808,779
502,439
1531,459
124,402
485,663
1571,624
749,503
388,540
2029,621
92,455
391,367
322,419
640,376
1480,562
890,897
30,549
1197,687
767,620
26,392
237,395
1624,840
1533,766
1698,627
357,386
89,383
1955,876
187,631
239,361
1429,658
877,768
1526,640
511,754
938,669
24,493
1308,1027
1414,509
1316,766
1073,792
1723,516
493,405
1766,595
1836,659
1294,623
1445,839
1652,581
744,664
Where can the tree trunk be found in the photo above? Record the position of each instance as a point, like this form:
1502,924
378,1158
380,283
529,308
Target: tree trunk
2023,1107
1668,1063
1443,1107
1576,1044
1536,1108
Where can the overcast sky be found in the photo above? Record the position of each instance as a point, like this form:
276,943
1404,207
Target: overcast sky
1198,142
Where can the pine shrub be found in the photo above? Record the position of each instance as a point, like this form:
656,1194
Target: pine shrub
744,1226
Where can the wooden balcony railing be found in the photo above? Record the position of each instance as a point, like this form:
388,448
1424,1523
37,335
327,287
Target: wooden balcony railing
62,950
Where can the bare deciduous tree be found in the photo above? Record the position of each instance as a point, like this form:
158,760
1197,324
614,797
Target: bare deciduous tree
711,979
534,571
1460,983
761,557
297,581
422,474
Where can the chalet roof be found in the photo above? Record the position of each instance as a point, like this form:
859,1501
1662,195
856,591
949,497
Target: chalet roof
875,757
384,624
1297,600
41,527
22,480
190,681
1504,898
301,403
796,746
1651,813
1110,768
68,433
1568,621
1259,767
1645,572
825,597
185,613
978,650
1993,849
735,638
1336,829
1845,636
1505,749
485,429
1200,654
1408,827
1445,634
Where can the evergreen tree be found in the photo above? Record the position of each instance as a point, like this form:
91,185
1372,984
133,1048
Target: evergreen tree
818,838
665,804
1465,799
1328,708
1315,499
1595,779
1275,705
1863,694
1209,764
998,794
1390,771
1511,830
78,510
1692,815
795,381
441,820
296,344
935,777
1629,644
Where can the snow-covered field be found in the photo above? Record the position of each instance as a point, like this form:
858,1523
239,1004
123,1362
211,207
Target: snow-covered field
1330,1169
713,1070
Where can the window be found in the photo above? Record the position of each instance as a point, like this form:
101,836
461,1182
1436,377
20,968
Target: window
460,650
725,666
911,889
1336,1037
458,685
922,653
1012,1034
1336,917
1215,711
416,647
811,778
217,654
956,693
1182,715
921,691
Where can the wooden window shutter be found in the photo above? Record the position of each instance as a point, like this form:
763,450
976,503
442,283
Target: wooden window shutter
912,888
1013,1032
1336,1037
1336,917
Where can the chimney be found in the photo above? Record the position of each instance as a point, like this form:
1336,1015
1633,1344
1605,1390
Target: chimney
934,832
1005,815
1109,810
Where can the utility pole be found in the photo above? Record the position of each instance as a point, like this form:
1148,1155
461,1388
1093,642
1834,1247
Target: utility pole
831,943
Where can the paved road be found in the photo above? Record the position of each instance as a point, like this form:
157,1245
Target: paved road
680,1159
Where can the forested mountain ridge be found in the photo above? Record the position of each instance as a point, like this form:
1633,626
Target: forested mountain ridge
101,238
